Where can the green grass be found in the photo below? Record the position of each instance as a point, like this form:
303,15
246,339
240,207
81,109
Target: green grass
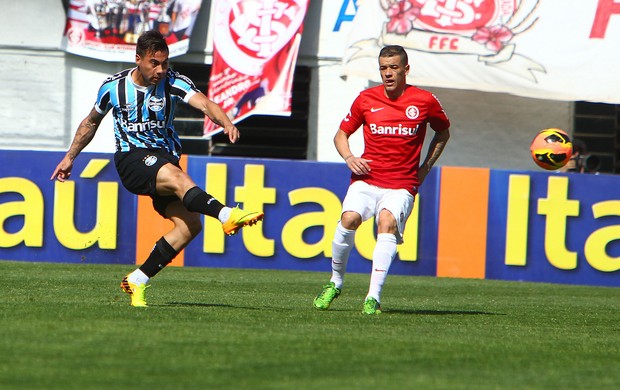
70,326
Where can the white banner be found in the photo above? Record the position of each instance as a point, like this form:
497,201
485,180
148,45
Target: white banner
547,49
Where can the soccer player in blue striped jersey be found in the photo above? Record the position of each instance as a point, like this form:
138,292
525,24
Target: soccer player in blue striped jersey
143,100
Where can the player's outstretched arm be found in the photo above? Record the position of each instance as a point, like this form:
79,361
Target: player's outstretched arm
216,114
435,148
84,134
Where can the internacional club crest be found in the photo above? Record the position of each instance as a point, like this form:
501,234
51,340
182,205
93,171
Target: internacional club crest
482,28
252,31
412,112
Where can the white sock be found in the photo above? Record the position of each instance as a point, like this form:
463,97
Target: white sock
138,277
381,260
344,239
224,214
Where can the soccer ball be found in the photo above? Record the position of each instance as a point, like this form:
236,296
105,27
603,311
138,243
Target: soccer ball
551,149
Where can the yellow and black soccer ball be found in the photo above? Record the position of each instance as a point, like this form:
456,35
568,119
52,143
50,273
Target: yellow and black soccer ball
551,149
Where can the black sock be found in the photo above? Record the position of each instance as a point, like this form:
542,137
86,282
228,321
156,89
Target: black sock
199,201
161,255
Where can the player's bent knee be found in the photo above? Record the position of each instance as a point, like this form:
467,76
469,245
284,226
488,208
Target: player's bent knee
350,220
387,222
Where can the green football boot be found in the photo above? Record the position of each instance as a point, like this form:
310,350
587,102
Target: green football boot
371,306
325,298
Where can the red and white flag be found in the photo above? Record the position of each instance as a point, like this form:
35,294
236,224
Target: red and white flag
255,46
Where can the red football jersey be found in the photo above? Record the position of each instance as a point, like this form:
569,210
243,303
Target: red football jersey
394,133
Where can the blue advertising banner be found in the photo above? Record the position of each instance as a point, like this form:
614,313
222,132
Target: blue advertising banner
523,225
302,202
88,219
557,228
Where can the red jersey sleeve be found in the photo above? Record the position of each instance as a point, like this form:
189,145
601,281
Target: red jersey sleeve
354,118
437,117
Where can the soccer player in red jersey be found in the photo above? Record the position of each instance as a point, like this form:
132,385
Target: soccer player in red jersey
386,177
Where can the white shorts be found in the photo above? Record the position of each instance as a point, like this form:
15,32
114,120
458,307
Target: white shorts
368,200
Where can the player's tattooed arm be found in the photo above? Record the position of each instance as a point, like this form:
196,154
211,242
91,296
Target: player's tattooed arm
84,134
435,148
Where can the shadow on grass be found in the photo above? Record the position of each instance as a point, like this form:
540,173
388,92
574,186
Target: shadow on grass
421,312
199,304
440,312
388,312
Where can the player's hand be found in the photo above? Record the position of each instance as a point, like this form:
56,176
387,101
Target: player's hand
422,172
63,170
359,166
232,132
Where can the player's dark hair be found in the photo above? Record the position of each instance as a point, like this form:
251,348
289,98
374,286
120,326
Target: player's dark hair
395,50
151,42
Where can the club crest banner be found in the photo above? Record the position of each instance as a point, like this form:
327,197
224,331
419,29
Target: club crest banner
108,29
255,46
531,48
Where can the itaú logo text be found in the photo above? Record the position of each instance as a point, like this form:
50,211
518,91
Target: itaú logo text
141,127
393,130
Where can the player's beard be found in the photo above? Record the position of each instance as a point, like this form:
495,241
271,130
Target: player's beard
153,79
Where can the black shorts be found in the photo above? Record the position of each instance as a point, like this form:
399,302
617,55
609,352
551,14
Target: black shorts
138,172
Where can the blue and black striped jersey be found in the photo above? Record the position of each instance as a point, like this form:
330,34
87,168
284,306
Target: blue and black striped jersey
144,116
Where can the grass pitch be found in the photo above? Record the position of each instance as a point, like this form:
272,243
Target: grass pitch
70,327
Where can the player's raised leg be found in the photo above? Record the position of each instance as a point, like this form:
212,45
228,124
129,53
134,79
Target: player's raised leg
172,180
238,218
233,219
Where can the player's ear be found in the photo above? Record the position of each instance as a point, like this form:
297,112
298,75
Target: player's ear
137,58
407,69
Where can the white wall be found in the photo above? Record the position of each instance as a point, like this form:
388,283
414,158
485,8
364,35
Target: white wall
495,130
32,23
84,77
33,94
32,99
48,92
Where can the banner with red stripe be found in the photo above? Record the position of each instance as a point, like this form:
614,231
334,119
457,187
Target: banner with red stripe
255,46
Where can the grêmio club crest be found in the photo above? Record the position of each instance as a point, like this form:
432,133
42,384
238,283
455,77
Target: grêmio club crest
482,28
